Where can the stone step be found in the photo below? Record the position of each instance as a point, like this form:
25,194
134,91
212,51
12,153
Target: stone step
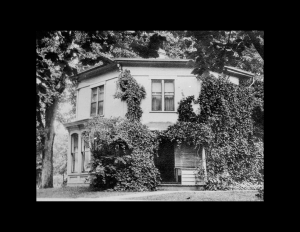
170,186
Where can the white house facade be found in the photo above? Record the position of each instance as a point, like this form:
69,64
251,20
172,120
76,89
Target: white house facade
166,82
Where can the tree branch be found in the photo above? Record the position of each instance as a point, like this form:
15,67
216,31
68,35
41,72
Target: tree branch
255,41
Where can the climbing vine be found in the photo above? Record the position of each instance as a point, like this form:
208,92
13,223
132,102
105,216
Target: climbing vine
122,155
185,110
133,93
225,127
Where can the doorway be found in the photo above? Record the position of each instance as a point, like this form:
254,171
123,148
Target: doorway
165,162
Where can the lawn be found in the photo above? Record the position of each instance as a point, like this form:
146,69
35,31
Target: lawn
75,192
86,192
202,196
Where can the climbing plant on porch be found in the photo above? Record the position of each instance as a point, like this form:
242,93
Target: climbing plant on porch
225,128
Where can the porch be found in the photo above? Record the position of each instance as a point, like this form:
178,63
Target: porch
179,167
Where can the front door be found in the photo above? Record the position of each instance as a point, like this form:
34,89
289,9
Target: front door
165,161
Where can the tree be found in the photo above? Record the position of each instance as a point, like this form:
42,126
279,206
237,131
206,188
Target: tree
59,55
215,49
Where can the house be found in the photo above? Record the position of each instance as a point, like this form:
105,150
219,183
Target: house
166,82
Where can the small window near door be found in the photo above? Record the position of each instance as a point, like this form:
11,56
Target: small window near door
74,152
85,155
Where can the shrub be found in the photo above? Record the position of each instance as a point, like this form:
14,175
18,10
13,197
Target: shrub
260,192
122,155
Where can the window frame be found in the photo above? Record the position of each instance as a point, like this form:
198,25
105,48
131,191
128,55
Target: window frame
97,99
162,95
84,153
73,159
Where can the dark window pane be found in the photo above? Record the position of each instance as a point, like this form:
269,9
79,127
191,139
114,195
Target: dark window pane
93,109
169,103
74,142
101,88
101,96
82,161
73,163
76,161
74,150
100,108
94,94
156,102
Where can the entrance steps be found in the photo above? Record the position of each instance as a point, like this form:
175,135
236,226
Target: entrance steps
175,186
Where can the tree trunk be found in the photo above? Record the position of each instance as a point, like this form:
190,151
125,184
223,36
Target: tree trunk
47,165
204,164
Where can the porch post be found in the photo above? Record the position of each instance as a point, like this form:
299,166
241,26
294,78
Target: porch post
204,164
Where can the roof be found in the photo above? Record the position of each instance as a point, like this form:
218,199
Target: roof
237,72
151,125
152,62
76,123
165,62
137,62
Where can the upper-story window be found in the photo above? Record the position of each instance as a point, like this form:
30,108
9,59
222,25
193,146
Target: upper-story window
163,95
97,100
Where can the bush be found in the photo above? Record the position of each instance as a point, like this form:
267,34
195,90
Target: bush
260,193
122,155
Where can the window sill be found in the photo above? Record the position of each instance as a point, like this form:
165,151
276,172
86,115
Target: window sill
162,111
77,173
97,115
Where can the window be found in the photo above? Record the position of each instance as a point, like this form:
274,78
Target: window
74,152
85,155
163,95
97,100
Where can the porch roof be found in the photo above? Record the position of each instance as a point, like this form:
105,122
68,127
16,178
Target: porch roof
75,123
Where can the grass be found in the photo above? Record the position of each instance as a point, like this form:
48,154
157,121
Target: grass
75,192
86,192
203,196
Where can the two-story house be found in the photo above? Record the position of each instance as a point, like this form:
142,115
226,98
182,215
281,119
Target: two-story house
166,82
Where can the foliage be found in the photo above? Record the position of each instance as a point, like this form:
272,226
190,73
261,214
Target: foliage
260,193
130,91
59,56
185,110
189,132
122,155
225,127
60,148
258,110
215,49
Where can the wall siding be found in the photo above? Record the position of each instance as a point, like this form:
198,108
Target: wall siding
186,157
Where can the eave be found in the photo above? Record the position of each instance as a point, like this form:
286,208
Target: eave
237,72
95,71
76,124
139,62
